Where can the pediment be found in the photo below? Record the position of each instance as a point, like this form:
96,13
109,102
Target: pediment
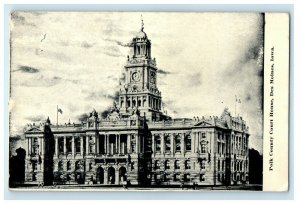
204,124
33,129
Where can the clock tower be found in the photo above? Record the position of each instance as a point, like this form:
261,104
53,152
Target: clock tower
139,91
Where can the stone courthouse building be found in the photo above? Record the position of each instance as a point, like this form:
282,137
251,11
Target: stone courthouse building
137,143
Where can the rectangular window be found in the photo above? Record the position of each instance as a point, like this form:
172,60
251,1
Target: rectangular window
176,177
203,136
69,144
77,144
61,145
157,144
188,145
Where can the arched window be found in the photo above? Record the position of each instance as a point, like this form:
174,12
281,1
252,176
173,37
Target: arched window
167,144
187,177
60,166
177,164
133,103
138,50
202,164
187,164
128,103
122,103
68,166
157,164
188,143
167,164
157,144
177,143
203,148
241,166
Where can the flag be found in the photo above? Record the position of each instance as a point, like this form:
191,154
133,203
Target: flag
59,110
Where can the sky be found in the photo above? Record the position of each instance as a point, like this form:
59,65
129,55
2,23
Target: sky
75,60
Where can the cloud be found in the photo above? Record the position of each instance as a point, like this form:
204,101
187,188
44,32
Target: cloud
161,71
101,95
61,56
194,79
82,117
112,51
119,42
20,20
87,45
42,81
37,118
28,69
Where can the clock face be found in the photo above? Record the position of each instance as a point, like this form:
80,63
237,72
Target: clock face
152,77
136,76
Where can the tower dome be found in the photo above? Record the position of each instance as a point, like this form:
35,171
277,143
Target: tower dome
141,34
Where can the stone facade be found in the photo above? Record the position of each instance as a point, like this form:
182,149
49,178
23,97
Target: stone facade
137,143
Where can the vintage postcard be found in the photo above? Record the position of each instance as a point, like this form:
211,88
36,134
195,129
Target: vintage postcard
148,101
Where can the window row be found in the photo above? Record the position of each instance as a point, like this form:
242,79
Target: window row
166,165
176,177
167,144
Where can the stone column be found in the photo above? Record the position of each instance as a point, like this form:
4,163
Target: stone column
107,143
234,144
117,144
73,146
117,176
153,144
162,143
97,144
172,143
105,175
197,142
42,146
87,144
128,143
182,144
28,146
193,142
81,145
119,150
137,144
221,146
105,140
65,146
56,146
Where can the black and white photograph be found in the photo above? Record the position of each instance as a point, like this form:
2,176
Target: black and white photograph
120,101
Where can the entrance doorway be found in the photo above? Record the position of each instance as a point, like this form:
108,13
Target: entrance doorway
111,175
122,174
100,175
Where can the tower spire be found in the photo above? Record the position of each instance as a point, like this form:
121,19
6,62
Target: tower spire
142,28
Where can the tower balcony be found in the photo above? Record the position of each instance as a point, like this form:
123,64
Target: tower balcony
142,61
